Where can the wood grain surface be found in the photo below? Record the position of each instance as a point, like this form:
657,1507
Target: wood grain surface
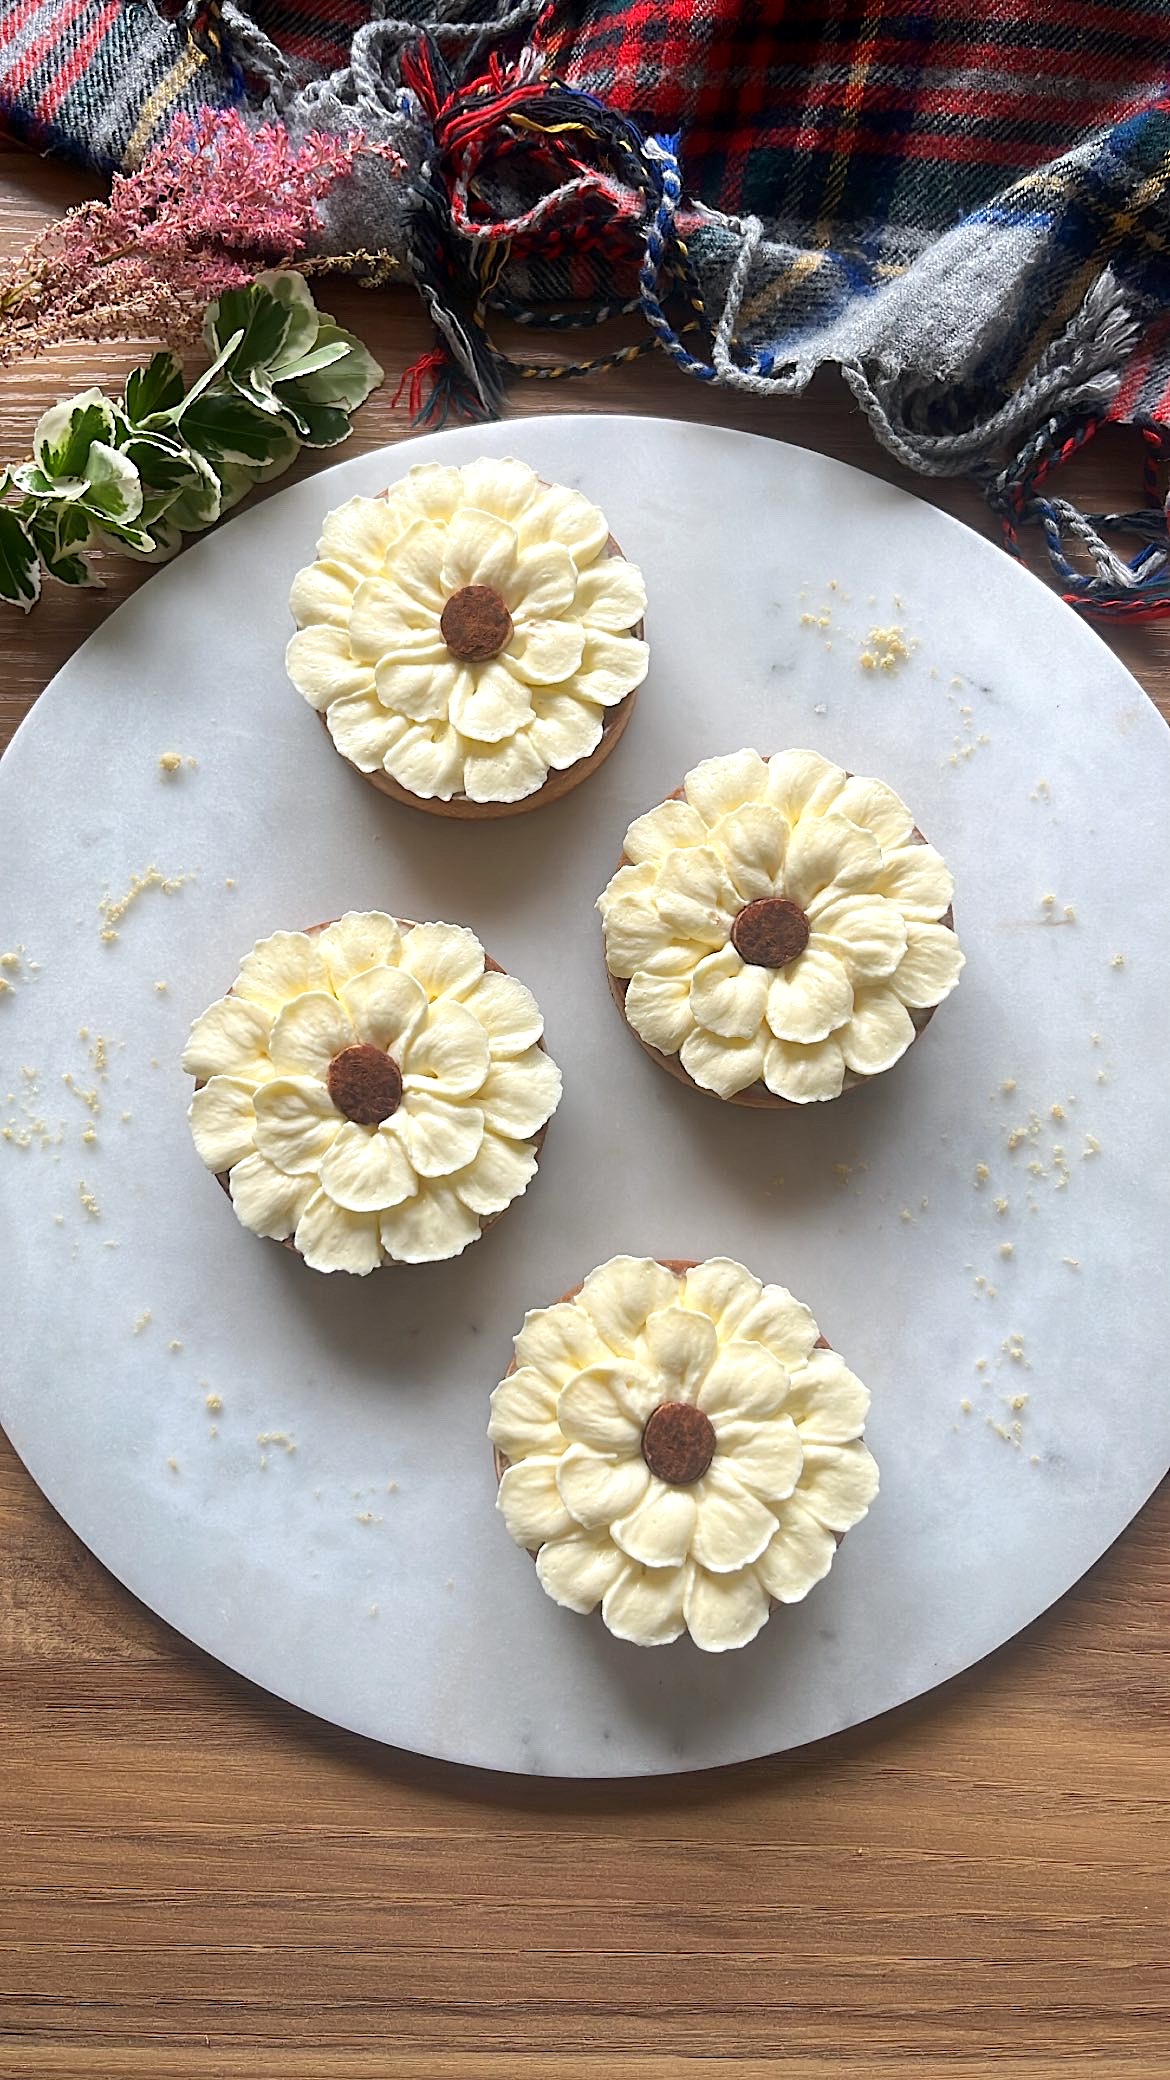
198,1883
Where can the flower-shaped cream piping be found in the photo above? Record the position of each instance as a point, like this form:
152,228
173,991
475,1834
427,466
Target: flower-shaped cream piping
467,632
780,923
680,1450
372,1092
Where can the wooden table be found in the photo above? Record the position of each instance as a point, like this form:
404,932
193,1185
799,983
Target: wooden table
197,1881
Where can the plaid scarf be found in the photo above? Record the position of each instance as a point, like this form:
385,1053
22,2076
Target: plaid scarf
964,208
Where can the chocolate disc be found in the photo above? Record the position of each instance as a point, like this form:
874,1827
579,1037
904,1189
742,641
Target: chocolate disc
770,932
678,1443
475,624
365,1084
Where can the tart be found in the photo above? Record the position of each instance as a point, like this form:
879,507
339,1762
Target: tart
471,638
779,930
371,1091
678,1445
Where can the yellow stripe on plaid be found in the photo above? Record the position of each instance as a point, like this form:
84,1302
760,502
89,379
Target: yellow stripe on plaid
156,105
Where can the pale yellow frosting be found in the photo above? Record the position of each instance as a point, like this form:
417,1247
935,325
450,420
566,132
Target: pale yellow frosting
371,656
842,849
476,1089
789,1473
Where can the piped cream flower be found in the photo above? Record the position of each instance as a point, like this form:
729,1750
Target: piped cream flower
680,1450
467,632
371,1091
781,923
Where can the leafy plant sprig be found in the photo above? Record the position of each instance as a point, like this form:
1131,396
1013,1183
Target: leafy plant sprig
168,459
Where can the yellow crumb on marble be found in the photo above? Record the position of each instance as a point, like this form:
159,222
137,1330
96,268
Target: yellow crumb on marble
174,1345
965,1405
980,1364
1048,902
89,1134
126,1118
368,1516
230,881
1101,1076
161,989
277,1437
1074,1263
906,1215
1056,1112
982,1173
1118,961
58,1220
112,909
1001,1206
170,763
89,1203
172,1465
142,1321
213,1403
392,1487
1008,1086
1094,1039
1042,792
1092,1147
1007,1249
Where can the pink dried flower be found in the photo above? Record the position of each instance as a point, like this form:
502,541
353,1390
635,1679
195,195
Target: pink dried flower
211,207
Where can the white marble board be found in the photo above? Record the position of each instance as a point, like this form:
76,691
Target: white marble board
365,1575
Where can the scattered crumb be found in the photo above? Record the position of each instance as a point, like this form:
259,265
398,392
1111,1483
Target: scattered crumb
373,1611
126,1117
10,960
887,650
392,1487
1001,1206
58,1220
1008,1086
89,1134
923,1204
170,763
1118,961
173,1465
983,1172
965,1405
1101,1076
1092,1147
142,1321
1019,1401
842,1172
1007,1249
112,909
161,988
174,1345
1074,1263
1048,902
230,882
821,707
1094,1039
214,1404
1041,792
906,1215
277,1437
367,1516
88,1201
1070,913
1056,1112
980,1364
1035,1459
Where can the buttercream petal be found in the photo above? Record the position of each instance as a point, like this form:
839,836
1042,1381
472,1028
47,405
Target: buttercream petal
728,996
433,490
385,622
308,1033
322,666
930,968
778,1321
866,934
478,550
507,1011
329,1239
543,583
421,689
802,783
810,998
619,1297
694,897
567,517
876,808
439,1137
489,702
596,1489
878,1033
363,730
360,532
658,1532
611,667
366,1169
415,561
724,1610
665,829
542,652
360,940
918,880
563,728
659,1009
577,1570
799,1556
447,1053
767,1457
428,760
385,1005
266,1201
681,1346
722,1066
446,959
223,1121
559,1341
718,786
645,1604
611,595
524,1415
606,1406
754,842
296,1123
838,1483
721,1289
506,772
323,592
502,1170
732,1526
498,485
434,1225
518,1096
529,1503
278,968
746,1383
827,852
635,936
230,1038
828,1403
805,1075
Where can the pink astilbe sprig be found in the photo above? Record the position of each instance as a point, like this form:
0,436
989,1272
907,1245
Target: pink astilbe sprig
210,207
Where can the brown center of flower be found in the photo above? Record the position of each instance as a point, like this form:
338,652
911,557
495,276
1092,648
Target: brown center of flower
475,624
770,933
365,1084
678,1443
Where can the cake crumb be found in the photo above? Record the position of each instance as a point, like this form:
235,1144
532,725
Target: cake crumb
126,1118
982,1173
373,1611
214,1404
1094,1039
88,1201
1070,914
1092,1147
965,1405
980,1364
277,1437
142,1321
367,1516
1048,902
230,881
1008,1086
170,763
58,1220
174,1345
172,1465
1056,1112
392,1487
906,1215
1001,1206
160,989
1007,1249
112,909
89,1134
1101,1076
1118,961
1035,1459
1074,1263
1042,792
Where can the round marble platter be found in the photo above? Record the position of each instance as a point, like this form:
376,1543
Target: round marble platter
292,1469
